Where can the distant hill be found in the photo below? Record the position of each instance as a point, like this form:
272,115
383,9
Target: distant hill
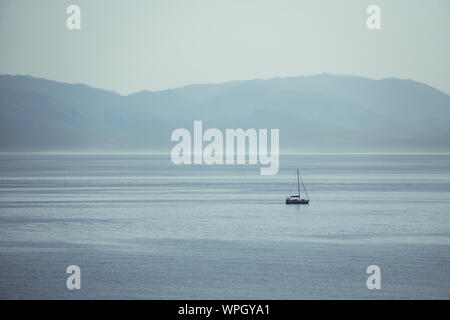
321,113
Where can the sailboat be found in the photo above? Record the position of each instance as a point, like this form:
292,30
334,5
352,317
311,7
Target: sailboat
296,199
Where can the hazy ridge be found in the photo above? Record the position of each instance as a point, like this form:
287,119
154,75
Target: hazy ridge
321,113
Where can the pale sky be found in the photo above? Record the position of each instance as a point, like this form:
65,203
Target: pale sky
134,45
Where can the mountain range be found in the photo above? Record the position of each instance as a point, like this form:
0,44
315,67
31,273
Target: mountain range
319,113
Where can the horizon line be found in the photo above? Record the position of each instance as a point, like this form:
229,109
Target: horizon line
168,153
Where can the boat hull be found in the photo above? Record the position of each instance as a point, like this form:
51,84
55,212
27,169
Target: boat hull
297,201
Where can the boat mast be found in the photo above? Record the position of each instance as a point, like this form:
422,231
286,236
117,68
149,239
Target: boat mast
304,188
298,184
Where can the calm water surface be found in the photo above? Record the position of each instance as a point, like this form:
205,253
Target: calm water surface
140,227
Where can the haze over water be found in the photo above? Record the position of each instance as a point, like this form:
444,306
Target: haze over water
140,227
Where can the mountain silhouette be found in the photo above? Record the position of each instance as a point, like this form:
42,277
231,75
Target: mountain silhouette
320,113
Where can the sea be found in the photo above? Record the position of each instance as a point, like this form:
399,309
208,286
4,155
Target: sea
140,227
